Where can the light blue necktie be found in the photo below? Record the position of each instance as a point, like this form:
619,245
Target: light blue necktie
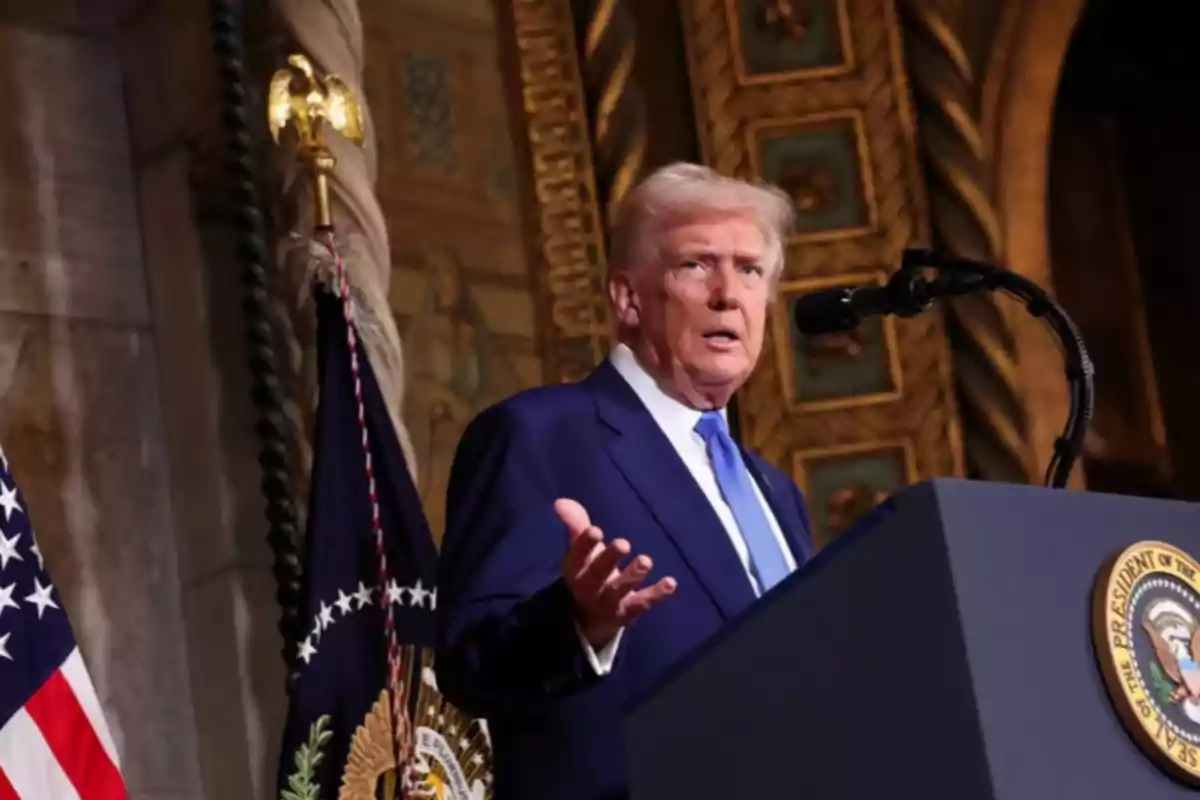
766,559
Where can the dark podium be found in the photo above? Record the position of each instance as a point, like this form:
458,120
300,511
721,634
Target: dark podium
940,649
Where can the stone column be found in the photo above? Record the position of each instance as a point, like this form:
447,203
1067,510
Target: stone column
331,35
235,677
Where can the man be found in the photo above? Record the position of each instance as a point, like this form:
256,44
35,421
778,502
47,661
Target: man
576,510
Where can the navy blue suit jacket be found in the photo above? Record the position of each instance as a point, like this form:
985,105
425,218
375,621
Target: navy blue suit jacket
507,644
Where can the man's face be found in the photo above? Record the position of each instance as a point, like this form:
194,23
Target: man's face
697,312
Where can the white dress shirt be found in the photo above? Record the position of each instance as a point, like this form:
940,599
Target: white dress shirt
678,422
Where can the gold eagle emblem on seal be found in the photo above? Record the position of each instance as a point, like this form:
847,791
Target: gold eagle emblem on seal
449,759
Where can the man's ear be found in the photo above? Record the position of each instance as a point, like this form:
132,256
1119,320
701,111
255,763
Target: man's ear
624,299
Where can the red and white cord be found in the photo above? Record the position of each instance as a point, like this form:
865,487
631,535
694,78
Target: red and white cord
395,684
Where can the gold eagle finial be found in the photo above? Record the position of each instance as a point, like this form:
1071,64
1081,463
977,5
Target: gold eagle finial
311,102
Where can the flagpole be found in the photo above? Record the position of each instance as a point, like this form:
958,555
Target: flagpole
311,104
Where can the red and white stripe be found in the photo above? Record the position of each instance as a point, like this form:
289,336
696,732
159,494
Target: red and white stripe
58,747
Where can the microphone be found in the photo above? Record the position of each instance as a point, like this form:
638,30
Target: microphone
908,293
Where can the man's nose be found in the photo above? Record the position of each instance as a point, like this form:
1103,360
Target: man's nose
724,287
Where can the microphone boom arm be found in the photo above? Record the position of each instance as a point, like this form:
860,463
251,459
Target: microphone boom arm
974,275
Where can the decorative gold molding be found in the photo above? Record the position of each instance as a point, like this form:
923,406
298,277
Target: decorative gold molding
736,33
755,135
876,90
784,343
568,225
855,499
904,445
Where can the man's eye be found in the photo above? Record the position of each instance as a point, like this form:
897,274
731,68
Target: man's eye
691,264
752,269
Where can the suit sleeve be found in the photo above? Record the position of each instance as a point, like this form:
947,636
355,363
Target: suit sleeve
507,638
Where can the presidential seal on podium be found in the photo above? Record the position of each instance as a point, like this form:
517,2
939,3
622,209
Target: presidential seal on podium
1146,631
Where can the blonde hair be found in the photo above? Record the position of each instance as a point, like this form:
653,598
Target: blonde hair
681,190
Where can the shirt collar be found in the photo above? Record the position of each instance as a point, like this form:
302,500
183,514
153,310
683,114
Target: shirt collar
676,419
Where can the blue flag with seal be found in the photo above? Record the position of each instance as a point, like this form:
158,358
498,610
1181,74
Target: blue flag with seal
347,736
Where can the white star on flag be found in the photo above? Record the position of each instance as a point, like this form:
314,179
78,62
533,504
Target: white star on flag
325,615
6,600
418,593
33,548
41,597
307,651
8,550
395,593
343,602
8,500
363,595
4,647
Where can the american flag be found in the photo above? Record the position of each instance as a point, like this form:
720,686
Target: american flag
54,743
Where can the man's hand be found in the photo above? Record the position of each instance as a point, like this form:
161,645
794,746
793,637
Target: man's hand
607,598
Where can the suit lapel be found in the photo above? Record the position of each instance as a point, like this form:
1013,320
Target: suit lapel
786,514
644,455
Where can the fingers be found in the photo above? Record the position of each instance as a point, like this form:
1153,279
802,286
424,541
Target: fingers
608,595
573,515
584,548
632,576
620,598
583,536
602,568
634,604
617,585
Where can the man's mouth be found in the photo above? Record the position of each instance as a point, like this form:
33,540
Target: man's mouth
722,335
